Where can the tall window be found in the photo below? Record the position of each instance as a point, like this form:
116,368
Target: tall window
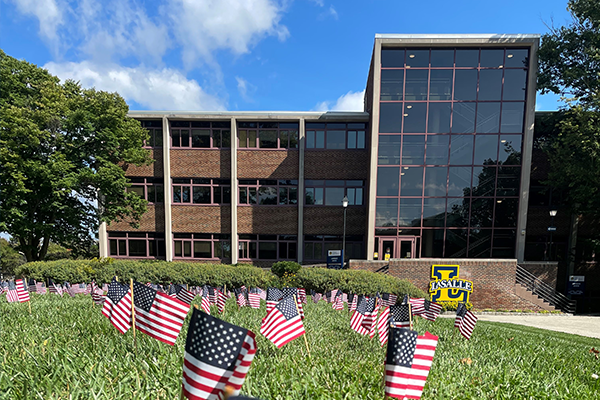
203,191
335,135
449,158
268,247
202,245
150,189
331,192
201,134
317,246
155,132
268,191
136,244
268,135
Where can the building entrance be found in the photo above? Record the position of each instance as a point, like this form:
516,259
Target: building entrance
397,247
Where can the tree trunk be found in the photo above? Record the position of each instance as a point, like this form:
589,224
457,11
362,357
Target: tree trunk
44,248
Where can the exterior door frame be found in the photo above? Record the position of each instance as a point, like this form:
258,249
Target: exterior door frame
396,242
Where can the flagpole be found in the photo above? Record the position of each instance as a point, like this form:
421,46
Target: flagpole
133,317
224,301
410,315
305,341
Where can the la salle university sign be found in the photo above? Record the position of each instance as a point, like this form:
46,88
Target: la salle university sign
447,287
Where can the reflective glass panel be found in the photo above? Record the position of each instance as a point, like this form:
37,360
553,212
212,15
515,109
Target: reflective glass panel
202,249
463,118
137,248
484,181
432,243
413,149
442,58
461,149
510,149
512,117
411,181
481,212
387,181
457,212
434,212
488,117
390,117
439,118
440,85
410,212
392,84
201,194
267,250
467,58
200,138
416,84
459,181
516,58
415,115
435,181
392,58
386,213
486,149
334,196
465,84
456,243
268,139
492,58
417,58
509,179
336,139
480,243
507,211
389,150
515,82
490,84
267,195
437,149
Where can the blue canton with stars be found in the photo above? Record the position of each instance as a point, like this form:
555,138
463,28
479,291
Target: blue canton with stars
287,306
401,347
116,291
214,341
426,304
143,296
290,291
11,285
400,313
274,294
366,306
461,311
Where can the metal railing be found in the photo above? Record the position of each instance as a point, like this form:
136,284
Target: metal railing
538,287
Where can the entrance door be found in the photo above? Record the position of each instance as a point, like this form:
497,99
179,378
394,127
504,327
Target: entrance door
397,247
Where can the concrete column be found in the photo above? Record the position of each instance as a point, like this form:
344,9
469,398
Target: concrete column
167,186
234,193
372,184
103,240
526,153
301,141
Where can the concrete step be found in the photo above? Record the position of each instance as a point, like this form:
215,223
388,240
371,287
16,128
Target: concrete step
525,294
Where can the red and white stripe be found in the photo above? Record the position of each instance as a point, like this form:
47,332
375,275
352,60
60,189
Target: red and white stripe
302,295
383,326
408,382
118,314
433,312
354,303
356,323
468,324
164,320
205,304
279,331
221,298
417,306
338,303
254,300
22,293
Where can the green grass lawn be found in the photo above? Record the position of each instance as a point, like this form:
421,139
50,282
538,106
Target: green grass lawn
67,350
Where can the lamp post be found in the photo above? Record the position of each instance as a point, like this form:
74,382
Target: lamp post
552,228
345,205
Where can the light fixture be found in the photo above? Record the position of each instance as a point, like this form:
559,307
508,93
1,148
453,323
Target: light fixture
401,173
553,213
345,201
509,56
405,167
503,141
498,201
411,56
409,106
406,115
500,66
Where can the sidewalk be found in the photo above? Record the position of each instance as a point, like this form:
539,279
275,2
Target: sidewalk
577,325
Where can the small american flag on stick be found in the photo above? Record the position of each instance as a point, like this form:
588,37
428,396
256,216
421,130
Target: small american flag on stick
205,303
217,354
178,291
17,292
157,314
117,306
383,326
465,320
274,295
283,323
254,298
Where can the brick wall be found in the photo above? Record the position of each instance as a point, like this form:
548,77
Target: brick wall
319,220
202,219
152,221
545,270
281,220
155,169
195,163
265,164
493,280
336,164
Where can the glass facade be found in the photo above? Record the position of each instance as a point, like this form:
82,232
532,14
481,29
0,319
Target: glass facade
451,127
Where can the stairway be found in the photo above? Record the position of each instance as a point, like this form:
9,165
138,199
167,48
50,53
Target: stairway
531,288
525,294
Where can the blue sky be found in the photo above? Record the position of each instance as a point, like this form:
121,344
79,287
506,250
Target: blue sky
241,54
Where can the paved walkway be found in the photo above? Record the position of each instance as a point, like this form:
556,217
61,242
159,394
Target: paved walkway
577,325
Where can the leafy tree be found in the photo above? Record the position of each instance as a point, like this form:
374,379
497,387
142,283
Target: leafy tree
60,146
9,258
569,65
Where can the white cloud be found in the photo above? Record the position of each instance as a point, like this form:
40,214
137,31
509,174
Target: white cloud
351,101
246,89
202,26
49,15
330,12
160,89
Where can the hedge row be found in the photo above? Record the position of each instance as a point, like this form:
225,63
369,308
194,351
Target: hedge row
318,279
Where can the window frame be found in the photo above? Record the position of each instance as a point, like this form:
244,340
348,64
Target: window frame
312,128
148,237
215,239
258,126
153,127
247,184
246,241
191,185
148,182
176,127
314,185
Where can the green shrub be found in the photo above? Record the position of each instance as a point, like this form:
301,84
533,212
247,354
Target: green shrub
196,274
281,267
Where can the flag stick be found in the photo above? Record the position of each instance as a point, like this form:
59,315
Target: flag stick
133,316
410,315
29,301
305,341
224,294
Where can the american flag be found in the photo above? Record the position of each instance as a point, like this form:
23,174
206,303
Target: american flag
400,316
408,361
212,294
32,285
388,299
98,297
338,303
358,317
69,289
254,298
290,291
283,323
262,293
217,354
316,296
221,299
79,288
417,306
53,288
432,310
302,295
205,303
240,297
370,314
466,321
157,314
17,292
117,306
181,293
40,287
353,301
383,326
274,295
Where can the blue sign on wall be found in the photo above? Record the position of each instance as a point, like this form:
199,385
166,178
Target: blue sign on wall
576,285
335,259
